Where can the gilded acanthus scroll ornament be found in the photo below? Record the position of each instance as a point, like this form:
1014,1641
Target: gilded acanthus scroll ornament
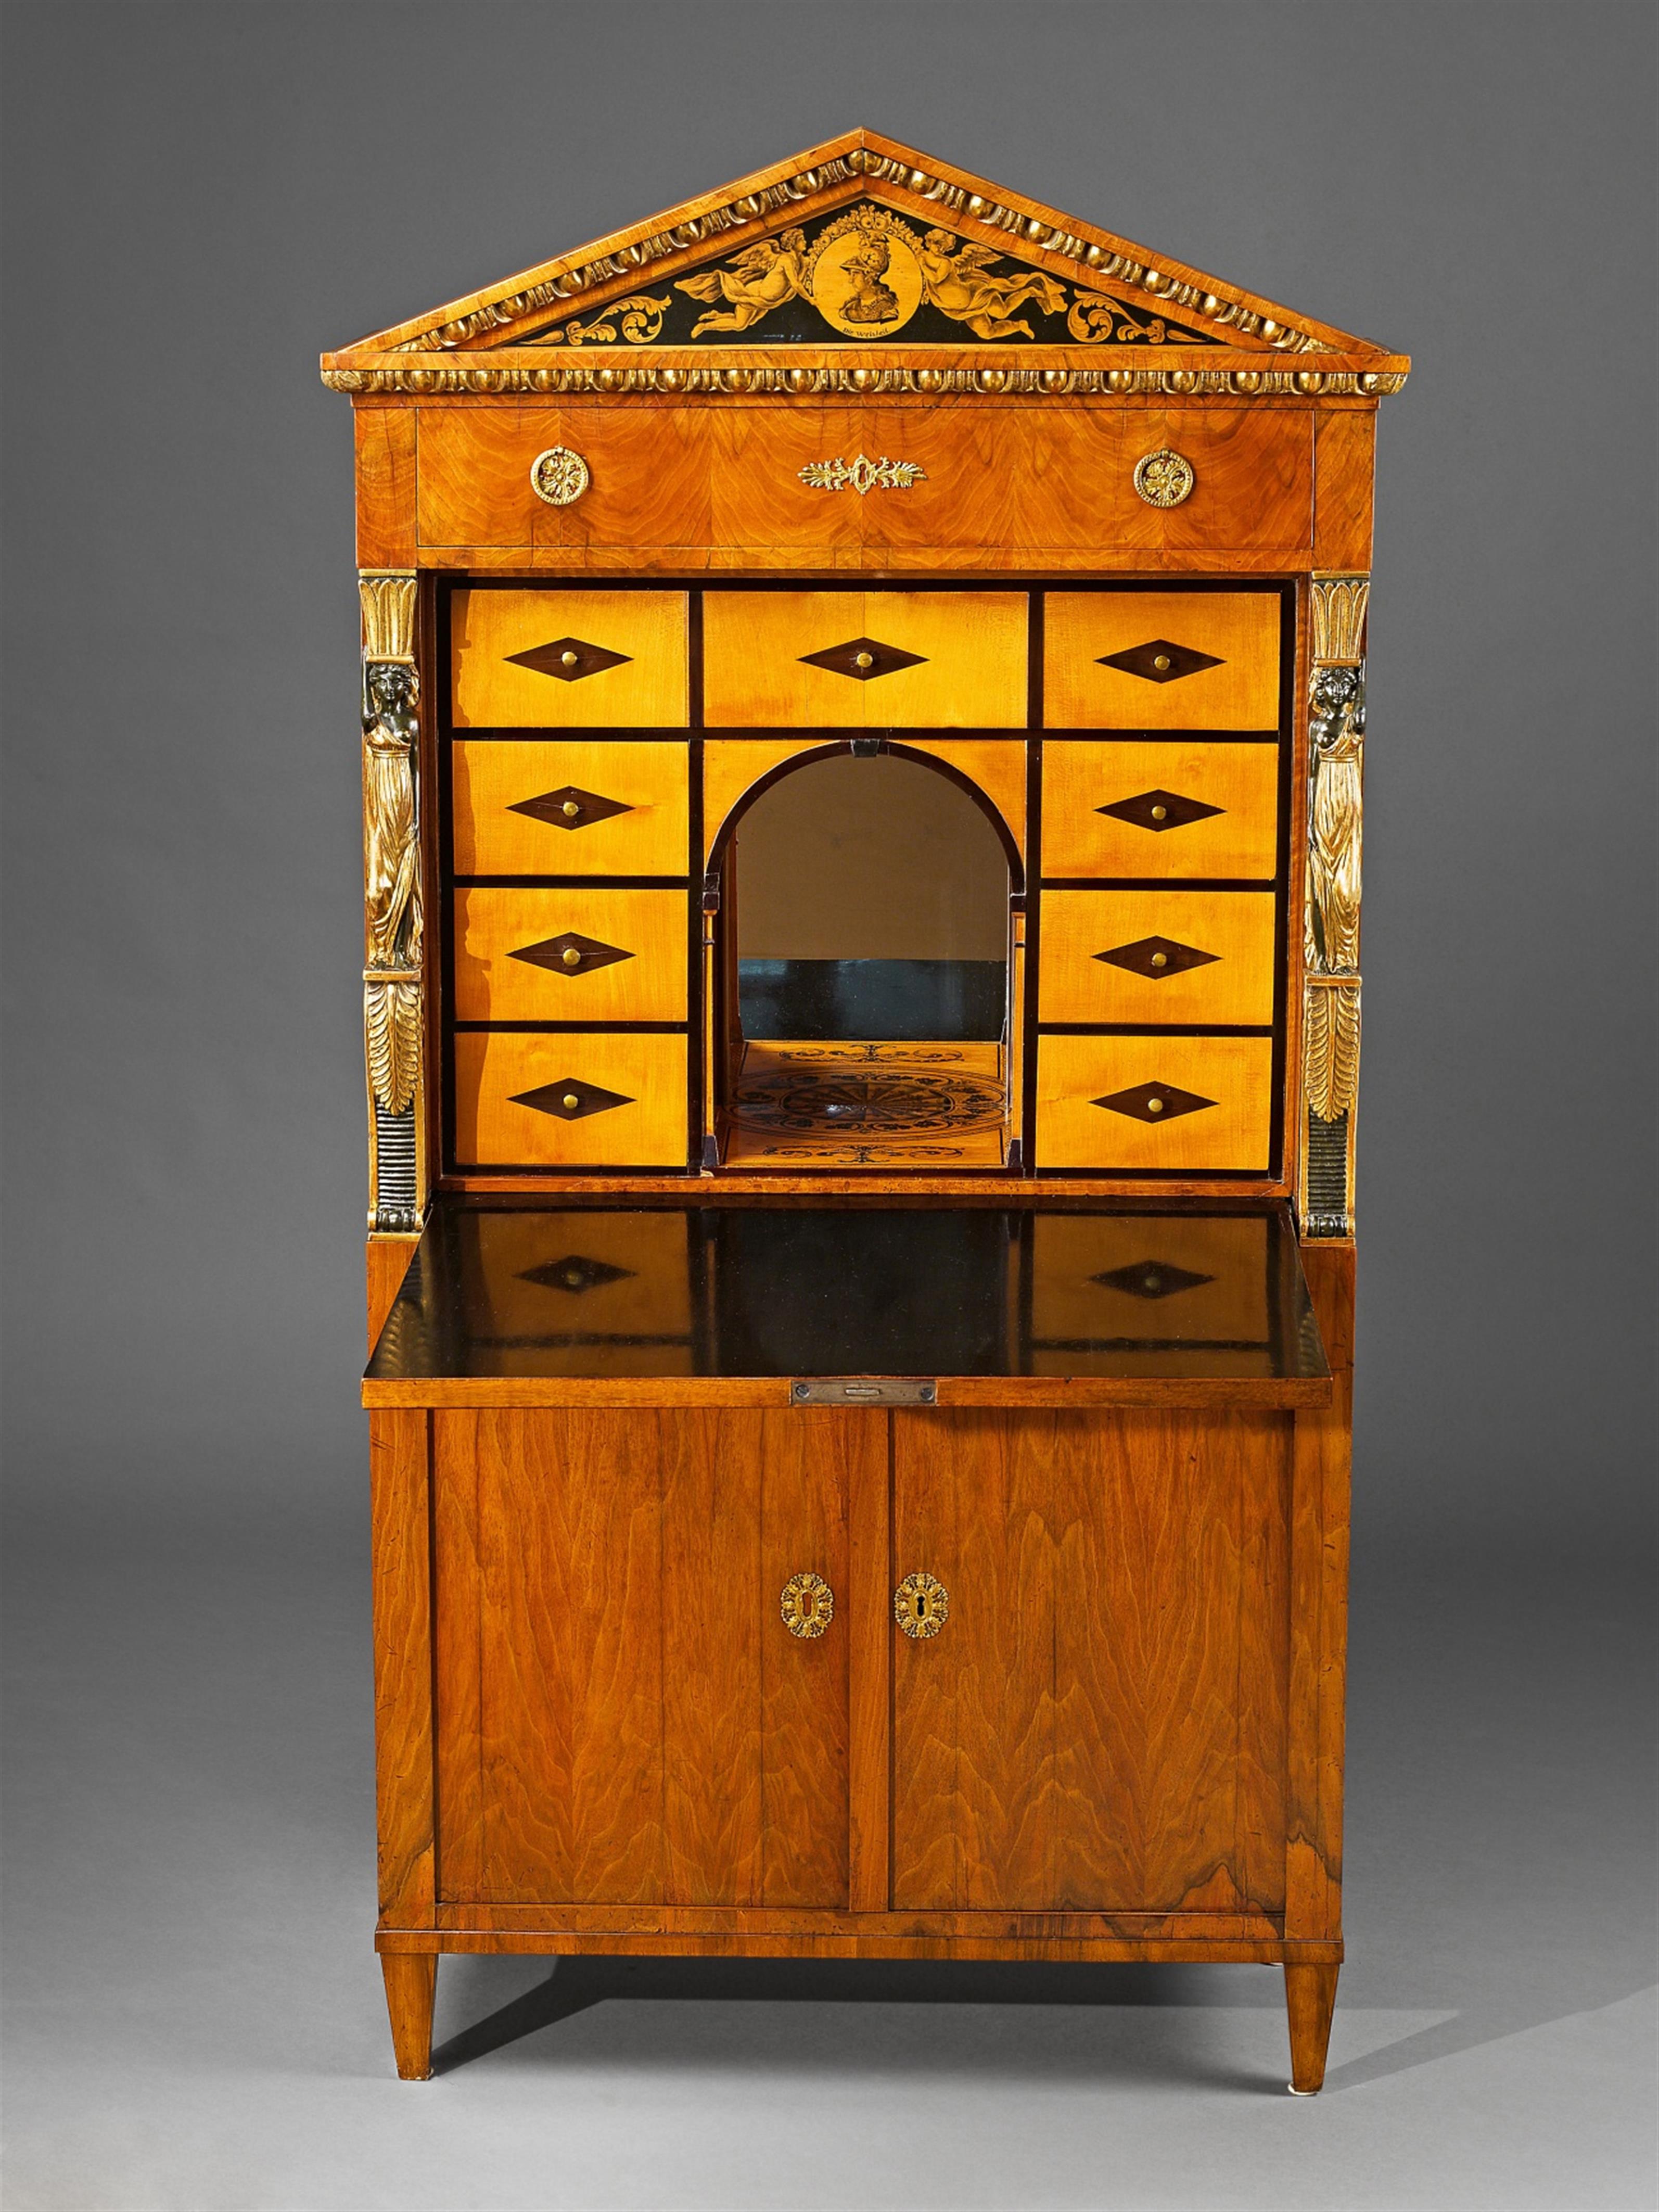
393,929
1336,739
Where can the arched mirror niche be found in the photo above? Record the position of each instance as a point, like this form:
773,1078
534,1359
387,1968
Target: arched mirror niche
863,950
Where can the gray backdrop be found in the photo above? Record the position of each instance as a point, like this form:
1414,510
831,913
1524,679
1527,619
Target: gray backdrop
200,198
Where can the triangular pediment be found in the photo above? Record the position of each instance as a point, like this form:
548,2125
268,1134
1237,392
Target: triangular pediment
862,246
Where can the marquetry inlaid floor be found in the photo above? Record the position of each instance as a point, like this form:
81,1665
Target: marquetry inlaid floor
867,1105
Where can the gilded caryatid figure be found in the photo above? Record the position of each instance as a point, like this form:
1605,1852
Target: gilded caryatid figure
392,888
1336,735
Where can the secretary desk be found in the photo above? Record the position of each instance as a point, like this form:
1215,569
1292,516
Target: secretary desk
862,722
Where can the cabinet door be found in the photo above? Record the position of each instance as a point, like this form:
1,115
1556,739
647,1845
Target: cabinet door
1098,1724
624,1715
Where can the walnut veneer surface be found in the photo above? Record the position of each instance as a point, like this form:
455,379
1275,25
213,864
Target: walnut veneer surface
1028,1641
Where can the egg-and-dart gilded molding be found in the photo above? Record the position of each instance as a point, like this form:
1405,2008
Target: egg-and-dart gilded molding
633,378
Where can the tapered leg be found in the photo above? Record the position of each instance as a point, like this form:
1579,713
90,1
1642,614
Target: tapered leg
412,1983
1310,1999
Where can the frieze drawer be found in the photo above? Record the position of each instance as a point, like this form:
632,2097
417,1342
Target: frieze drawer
521,808
525,954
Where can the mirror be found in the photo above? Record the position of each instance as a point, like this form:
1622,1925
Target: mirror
865,903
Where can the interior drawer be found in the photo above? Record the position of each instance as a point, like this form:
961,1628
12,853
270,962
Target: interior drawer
569,1100
1102,801
523,954
559,659
1157,955
523,808
1161,660
865,659
1130,1104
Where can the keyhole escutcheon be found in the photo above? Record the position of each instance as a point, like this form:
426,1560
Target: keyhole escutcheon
921,1606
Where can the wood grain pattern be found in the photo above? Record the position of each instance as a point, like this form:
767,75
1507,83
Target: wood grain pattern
1310,2000
494,924
1187,1379
1202,1950
973,1706
490,779
744,1920
761,513
1240,630
1234,987
492,692
493,1067
1345,445
384,441
1071,1738
1081,776
970,672
474,473
1318,1613
401,1560
412,1985
1074,1132
647,1729
651,478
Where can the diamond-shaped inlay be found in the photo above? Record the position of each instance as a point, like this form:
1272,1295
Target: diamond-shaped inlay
1153,1102
1157,957
1150,1279
575,1273
570,954
570,1099
863,658
569,807
1160,809
1160,662
569,659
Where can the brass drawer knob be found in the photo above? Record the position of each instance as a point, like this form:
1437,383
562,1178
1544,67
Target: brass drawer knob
1165,478
1154,1105
921,1606
570,810
571,957
560,476
808,1604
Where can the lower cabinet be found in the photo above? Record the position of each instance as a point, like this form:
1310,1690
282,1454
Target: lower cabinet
653,1629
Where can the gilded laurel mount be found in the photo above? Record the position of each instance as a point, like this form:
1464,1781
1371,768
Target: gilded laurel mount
866,275
863,475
